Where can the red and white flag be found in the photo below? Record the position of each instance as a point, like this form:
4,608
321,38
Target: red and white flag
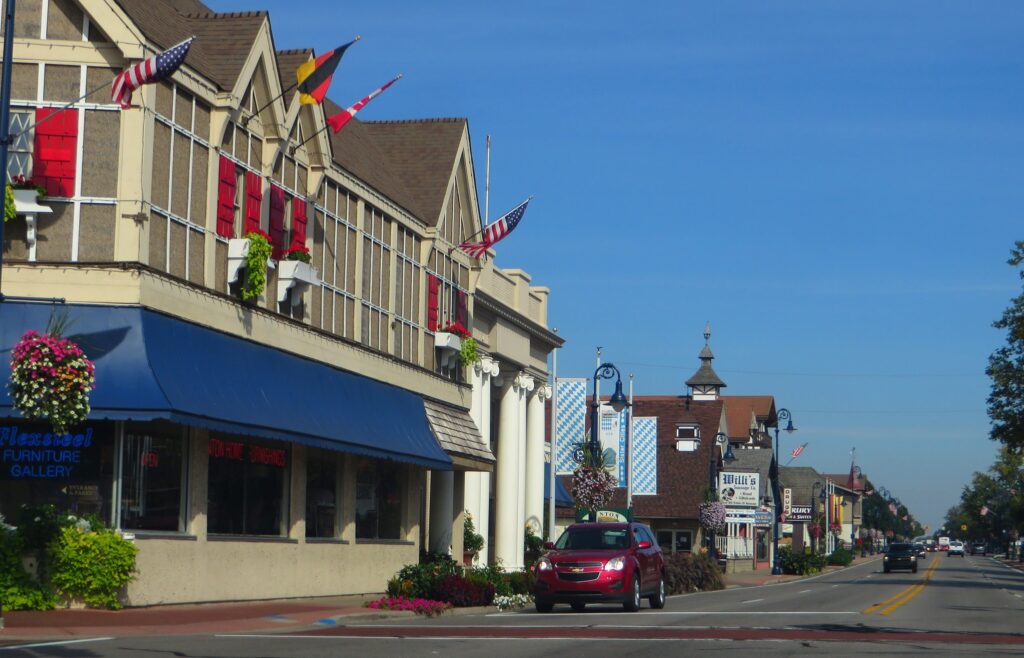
154,69
495,231
984,510
796,452
338,121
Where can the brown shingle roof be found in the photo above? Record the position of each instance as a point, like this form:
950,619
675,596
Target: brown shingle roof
422,153
223,41
287,62
742,410
682,476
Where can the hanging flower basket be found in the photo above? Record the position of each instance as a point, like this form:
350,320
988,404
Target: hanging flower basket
51,378
592,488
712,515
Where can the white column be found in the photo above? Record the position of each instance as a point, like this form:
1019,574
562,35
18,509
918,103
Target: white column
442,491
535,423
526,386
478,483
506,494
472,494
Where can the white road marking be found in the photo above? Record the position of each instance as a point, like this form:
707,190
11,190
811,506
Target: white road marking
804,591
753,600
661,612
54,644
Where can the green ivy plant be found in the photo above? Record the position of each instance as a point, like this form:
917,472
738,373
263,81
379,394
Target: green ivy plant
468,354
10,211
256,265
92,566
472,541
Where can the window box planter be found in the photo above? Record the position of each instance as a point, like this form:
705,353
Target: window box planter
294,274
238,249
448,346
27,203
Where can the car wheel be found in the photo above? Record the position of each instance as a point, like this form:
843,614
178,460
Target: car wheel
657,600
578,606
632,603
886,569
914,570
543,606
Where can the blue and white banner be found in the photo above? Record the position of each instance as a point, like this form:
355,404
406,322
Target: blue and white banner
644,455
570,422
613,442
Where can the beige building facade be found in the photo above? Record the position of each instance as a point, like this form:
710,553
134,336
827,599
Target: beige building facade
367,439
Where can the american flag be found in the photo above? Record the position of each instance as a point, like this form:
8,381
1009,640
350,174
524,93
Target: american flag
797,451
496,231
154,69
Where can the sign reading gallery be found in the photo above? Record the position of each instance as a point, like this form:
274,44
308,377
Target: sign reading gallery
43,455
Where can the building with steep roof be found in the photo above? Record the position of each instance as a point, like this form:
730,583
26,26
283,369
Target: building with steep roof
263,427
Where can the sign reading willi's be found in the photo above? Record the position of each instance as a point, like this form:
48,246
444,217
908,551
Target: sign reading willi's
739,489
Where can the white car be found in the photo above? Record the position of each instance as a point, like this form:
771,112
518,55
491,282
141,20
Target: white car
956,548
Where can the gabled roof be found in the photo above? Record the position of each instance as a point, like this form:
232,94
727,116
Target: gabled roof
287,62
682,476
743,410
422,152
801,480
223,40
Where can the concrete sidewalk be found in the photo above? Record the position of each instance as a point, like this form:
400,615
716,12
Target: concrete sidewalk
765,577
264,616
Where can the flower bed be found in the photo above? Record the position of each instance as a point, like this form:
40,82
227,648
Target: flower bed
425,607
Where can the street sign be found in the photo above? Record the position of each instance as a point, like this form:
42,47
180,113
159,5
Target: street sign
577,454
762,519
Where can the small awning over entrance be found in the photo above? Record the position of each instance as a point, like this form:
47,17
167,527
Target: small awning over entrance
150,366
459,436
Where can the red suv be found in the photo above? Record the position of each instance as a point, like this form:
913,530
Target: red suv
596,562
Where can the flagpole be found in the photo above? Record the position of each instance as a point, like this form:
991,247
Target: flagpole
5,118
554,442
487,184
292,149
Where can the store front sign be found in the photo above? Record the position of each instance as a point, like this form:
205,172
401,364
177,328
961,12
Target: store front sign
26,453
799,513
739,489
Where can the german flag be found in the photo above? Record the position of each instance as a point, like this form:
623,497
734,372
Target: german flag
314,77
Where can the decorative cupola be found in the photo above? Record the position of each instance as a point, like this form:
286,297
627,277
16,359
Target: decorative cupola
706,383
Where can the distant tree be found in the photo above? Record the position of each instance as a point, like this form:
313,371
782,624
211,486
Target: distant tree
1006,369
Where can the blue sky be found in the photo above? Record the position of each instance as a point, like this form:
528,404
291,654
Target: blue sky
835,186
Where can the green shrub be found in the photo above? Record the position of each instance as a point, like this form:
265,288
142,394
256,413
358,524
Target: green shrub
18,591
690,573
840,557
92,565
472,541
800,563
419,580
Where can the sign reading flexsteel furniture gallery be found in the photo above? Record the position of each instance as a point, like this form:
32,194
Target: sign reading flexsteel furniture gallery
739,489
26,452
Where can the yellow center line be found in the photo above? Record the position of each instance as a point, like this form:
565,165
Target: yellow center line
905,595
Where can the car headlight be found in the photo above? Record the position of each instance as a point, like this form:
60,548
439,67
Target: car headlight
544,564
885,559
615,564
913,557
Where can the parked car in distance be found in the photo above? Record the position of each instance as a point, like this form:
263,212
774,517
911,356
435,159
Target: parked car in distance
956,548
979,548
900,556
601,562
921,552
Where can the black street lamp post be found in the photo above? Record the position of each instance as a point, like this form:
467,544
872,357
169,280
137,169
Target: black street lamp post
783,415
618,402
720,440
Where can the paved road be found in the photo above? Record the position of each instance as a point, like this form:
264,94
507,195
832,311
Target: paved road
953,606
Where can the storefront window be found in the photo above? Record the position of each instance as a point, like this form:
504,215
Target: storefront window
378,500
153,477
247,487
675,541
321,493
74,471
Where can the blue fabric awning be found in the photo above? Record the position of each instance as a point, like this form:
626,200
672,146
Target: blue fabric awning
562,496
150,366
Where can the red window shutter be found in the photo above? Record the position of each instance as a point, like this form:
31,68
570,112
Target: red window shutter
226,198
298,223
253,201
433,283
277,220
53,160
461,308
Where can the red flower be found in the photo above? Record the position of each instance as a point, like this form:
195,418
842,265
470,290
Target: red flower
457,329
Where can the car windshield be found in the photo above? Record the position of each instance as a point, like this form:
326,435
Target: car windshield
593,539
901,548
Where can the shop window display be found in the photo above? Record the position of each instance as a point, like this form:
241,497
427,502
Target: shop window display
378,500
73,471
152,478
247,485
321,493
